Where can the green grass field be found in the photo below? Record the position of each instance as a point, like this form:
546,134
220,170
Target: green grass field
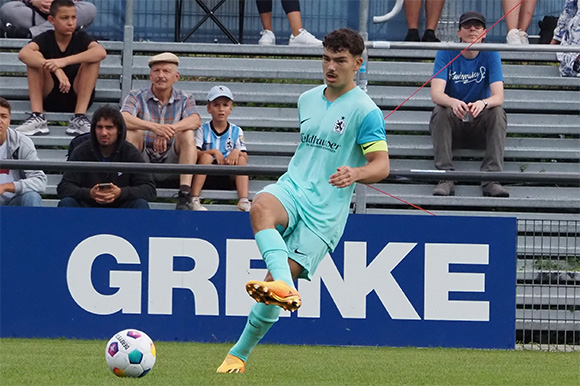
82,362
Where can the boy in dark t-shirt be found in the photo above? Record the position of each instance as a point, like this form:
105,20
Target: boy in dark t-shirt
62,68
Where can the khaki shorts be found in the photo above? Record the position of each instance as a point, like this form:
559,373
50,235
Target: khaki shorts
170,157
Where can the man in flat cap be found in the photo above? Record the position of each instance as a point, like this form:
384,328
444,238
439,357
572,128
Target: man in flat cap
468,95
161,121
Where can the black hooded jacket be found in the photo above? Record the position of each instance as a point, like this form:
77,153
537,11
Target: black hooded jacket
133,185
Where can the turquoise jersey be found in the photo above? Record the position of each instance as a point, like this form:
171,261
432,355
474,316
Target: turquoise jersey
330,136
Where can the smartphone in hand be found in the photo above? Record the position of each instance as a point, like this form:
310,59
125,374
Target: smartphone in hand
104,186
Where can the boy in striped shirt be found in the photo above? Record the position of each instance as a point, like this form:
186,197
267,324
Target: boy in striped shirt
221,142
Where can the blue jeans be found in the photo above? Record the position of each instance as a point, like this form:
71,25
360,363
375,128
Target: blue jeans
26,199
69,202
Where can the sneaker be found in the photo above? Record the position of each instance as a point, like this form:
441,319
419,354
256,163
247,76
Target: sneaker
244,205
494,189
33,125
277,293
268,38
517,36
79,124
196,204
304,38
183,201
14,32
429,37
444,188
413,36
232,365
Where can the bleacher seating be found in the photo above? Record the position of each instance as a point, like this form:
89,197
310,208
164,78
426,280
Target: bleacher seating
543,123
543,117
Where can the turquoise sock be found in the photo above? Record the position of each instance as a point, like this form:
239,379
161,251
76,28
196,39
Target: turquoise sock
261,318
275,254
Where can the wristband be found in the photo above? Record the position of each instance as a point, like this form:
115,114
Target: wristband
484,103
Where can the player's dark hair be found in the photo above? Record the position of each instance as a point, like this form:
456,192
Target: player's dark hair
4,103
344,39
57,4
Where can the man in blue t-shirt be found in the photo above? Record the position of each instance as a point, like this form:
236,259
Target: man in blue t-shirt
468,95
300,218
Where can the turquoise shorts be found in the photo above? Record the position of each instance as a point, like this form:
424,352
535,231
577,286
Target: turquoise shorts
304,246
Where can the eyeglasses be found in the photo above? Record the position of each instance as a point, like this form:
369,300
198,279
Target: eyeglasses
475,23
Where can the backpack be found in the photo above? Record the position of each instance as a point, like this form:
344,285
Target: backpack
547,26
75,142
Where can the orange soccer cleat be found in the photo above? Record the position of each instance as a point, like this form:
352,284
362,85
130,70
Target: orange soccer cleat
232,364
277,293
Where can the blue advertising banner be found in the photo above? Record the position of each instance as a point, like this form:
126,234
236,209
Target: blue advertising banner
394,280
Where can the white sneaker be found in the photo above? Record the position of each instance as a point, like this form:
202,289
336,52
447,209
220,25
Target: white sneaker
196,204
34,124
524,37
517,36
268,38
78,125
244,205
304,38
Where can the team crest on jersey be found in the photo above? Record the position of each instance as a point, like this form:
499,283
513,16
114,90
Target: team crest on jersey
339,125
242,140
229,144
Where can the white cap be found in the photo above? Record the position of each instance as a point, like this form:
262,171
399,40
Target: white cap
219,91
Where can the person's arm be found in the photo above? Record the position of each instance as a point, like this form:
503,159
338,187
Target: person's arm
439,97
95,53
31,56
376,169
193,122
34,180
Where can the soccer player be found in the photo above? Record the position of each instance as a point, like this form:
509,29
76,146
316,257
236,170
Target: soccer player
301,217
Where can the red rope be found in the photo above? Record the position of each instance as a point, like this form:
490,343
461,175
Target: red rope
427,82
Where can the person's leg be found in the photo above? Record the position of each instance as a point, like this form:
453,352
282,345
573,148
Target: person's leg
493,128
69,202
511,19
265,11
86,13
26,199
433,10
242,182
137,139
187,152
412,11
441,128
199,179
526,13
292,10
40,84
84,85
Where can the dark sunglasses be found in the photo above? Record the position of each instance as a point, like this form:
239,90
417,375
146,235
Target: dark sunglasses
473,23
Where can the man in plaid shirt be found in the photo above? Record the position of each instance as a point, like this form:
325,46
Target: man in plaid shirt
161,121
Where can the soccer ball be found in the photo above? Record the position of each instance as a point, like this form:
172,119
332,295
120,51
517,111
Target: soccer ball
130,353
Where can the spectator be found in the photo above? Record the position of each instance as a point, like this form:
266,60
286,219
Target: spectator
106,189
62,67
18,187
301,217
29,18
161,121
468,95
567,33
518,20
221,142
433,10
299,37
